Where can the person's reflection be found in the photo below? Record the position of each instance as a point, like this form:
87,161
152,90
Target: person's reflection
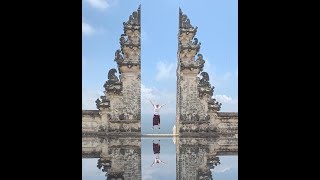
156,152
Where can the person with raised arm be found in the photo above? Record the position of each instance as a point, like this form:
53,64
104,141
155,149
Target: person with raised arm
156,115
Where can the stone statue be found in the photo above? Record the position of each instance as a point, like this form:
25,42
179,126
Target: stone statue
122,39
134,19
104,164
204,81
130,21
184,21
216,105
195,42
205,174
104,99
212,101
112,78
118,56
200,60
98,103
212,90
212,162
113,84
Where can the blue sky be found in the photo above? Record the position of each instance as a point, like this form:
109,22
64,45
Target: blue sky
217,23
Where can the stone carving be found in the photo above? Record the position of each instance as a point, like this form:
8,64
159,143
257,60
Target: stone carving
104,99
200,61
104,164
190,46
195,109
204,81
112,78
213,162
121,111
204,86
123,40
184,21
195,42
98,103
204,174
113,84
118,57
214,105
134,21
105,103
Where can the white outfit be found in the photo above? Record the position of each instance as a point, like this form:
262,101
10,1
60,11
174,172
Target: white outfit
156,110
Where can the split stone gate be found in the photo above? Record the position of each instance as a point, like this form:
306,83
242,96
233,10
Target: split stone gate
119,110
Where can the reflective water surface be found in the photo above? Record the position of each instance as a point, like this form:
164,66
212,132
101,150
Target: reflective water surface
167,158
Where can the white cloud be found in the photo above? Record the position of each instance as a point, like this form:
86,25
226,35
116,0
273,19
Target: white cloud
157,97
223,98
165,70
227,163
229,104
99,4
222,170
87,29
88,99
146,93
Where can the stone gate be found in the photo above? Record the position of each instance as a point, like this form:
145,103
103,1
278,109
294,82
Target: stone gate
197,111
119,110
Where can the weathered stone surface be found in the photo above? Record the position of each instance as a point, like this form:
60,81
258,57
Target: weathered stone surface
118,157
91,120
119,108
197,110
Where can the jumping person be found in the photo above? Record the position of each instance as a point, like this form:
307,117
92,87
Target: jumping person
156,115
156,152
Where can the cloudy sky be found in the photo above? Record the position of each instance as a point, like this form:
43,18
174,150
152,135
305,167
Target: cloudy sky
217,23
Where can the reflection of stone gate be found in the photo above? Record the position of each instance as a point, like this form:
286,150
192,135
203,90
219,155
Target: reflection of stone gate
118,157
197,157
197,112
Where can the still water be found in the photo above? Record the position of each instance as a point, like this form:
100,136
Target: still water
157,158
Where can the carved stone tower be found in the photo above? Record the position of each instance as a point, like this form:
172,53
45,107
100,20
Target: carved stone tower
120,107
196,109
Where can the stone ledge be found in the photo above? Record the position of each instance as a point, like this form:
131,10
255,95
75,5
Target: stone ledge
198,134
125,121
227,114
91,112
93,154
194,122
133,134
